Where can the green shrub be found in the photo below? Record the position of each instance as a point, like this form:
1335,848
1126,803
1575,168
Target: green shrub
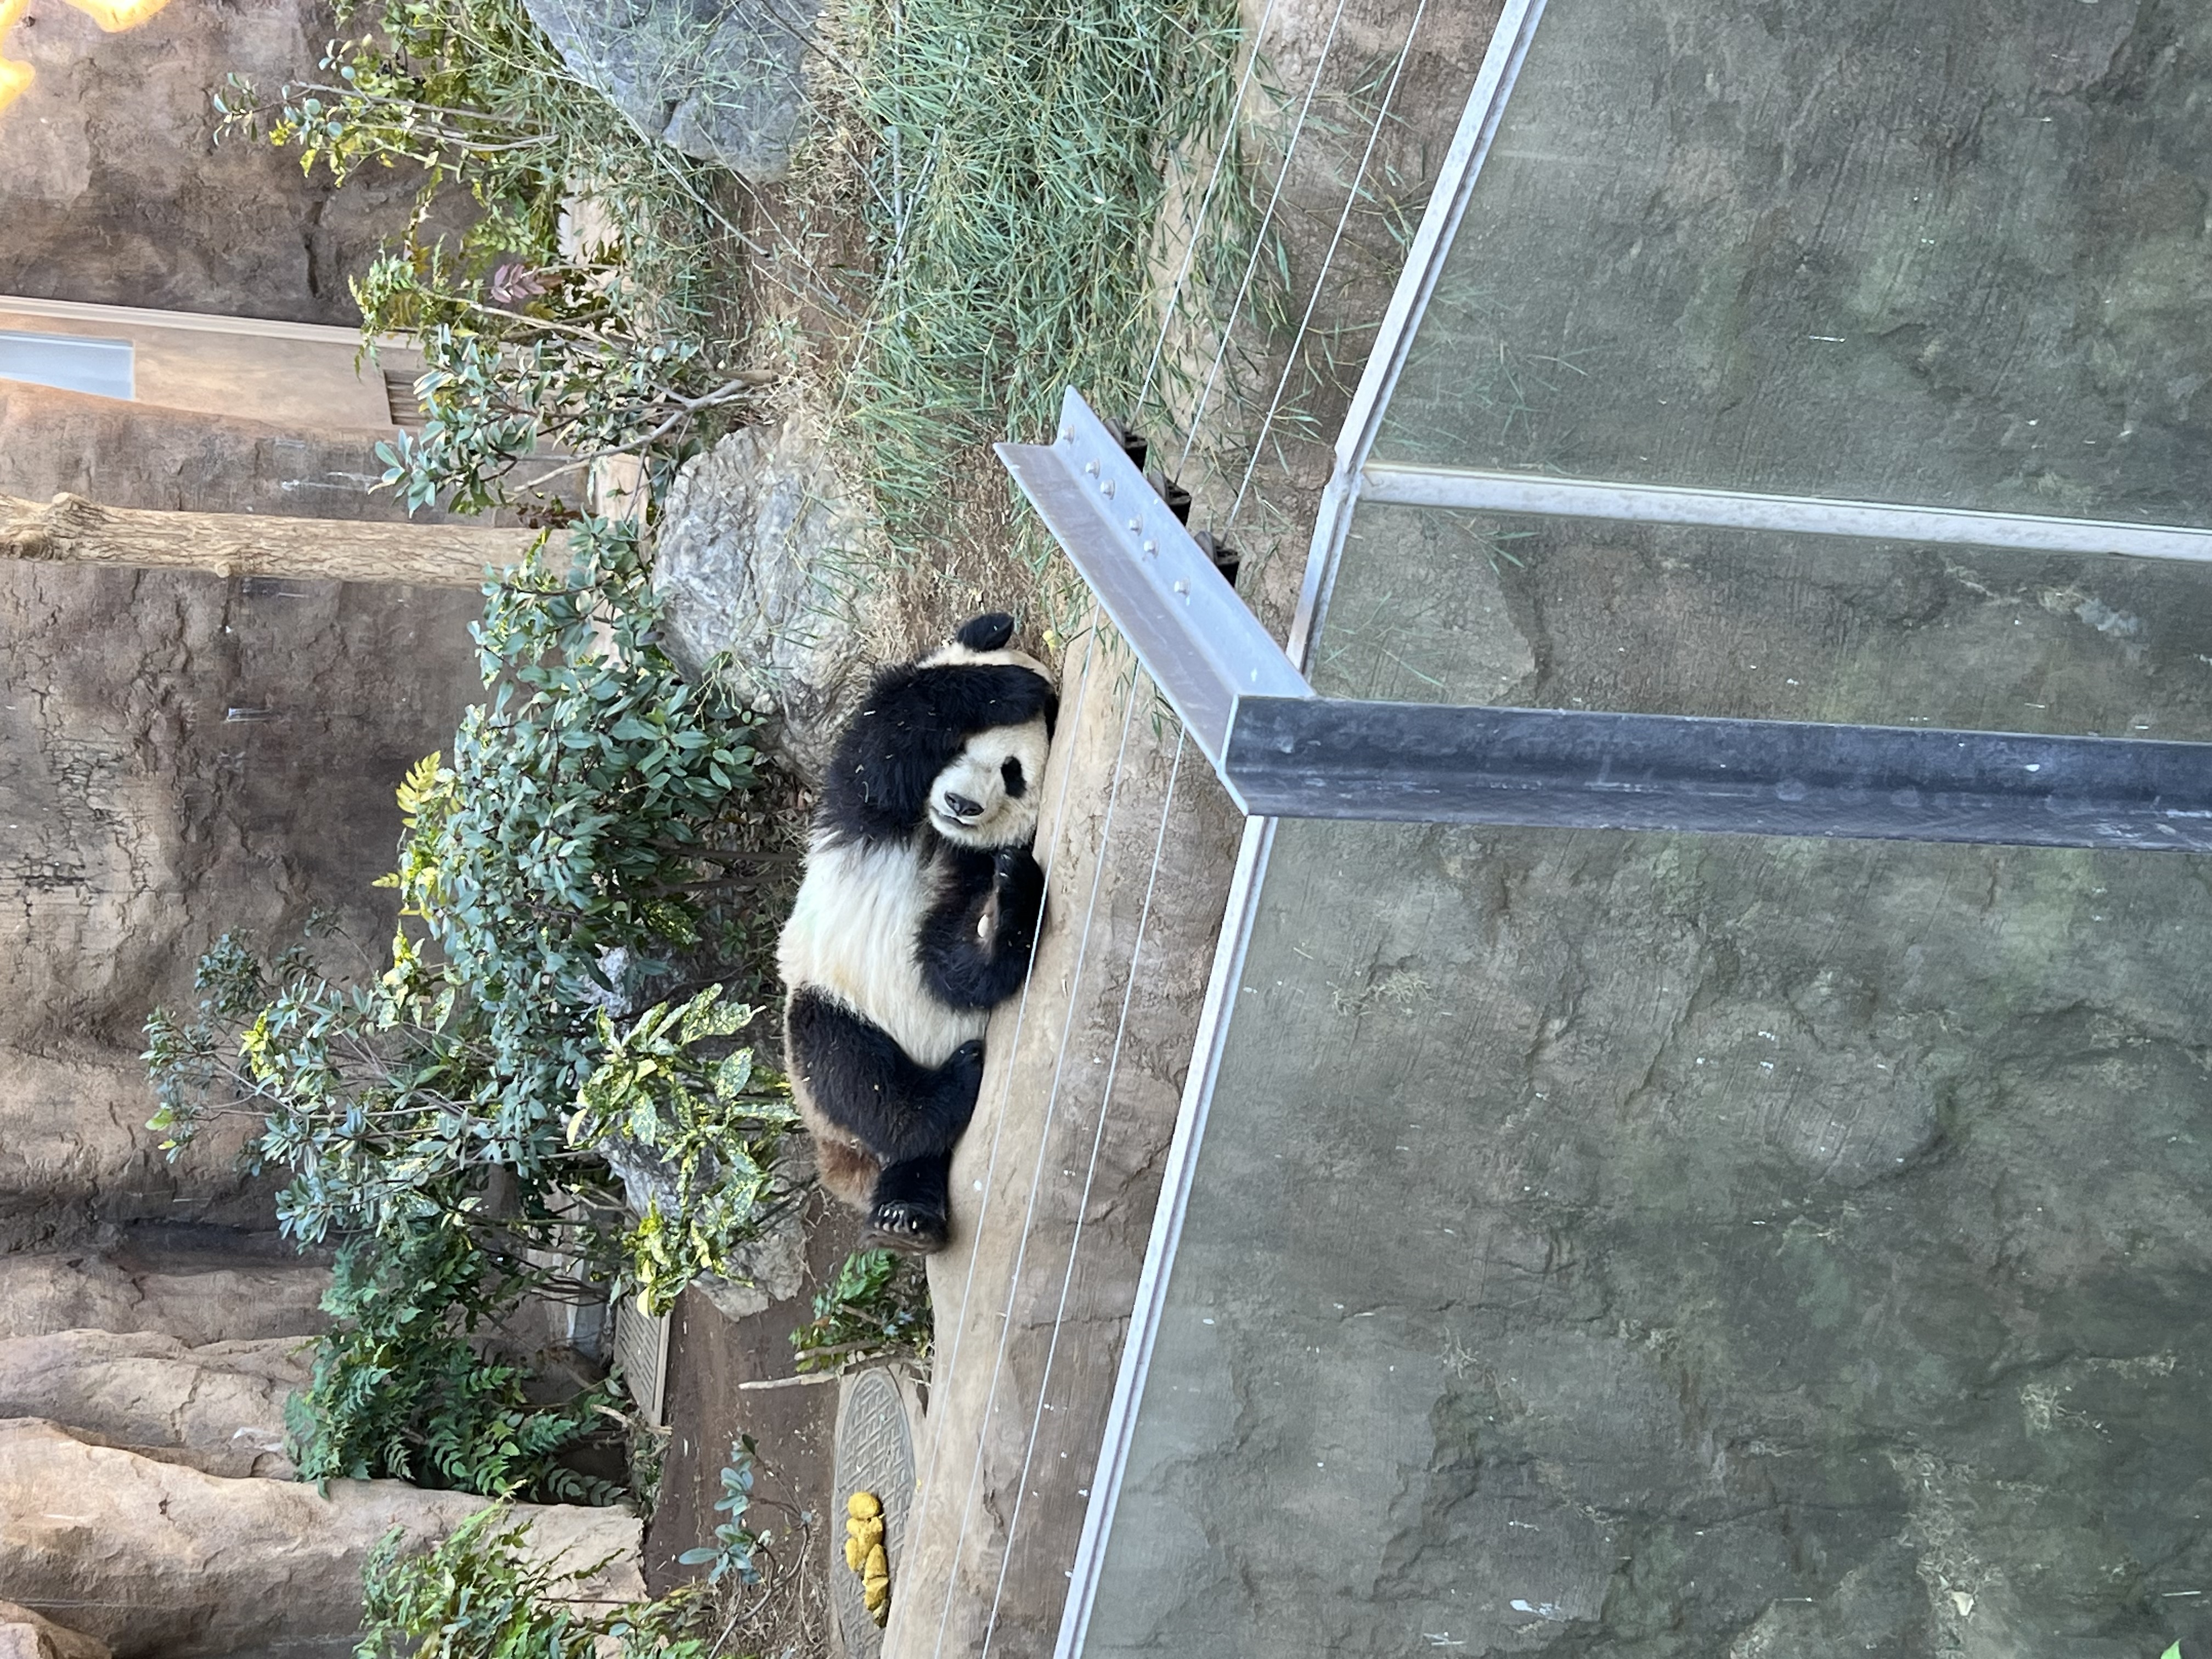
710,1132
580,814
400,1390
479,1594
879,1304
578,817
453,1117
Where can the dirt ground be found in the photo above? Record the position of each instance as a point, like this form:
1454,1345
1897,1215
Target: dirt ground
710,1358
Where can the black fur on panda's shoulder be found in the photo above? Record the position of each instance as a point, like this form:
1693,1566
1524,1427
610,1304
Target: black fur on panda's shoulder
910,727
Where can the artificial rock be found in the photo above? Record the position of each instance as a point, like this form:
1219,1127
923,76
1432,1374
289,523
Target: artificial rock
753,557
157,1559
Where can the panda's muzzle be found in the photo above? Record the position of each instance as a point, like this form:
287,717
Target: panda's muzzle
960,807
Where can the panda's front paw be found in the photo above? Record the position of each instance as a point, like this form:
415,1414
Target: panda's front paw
1018,893
904,1224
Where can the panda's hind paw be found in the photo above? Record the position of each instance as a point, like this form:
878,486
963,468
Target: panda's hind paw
902,1224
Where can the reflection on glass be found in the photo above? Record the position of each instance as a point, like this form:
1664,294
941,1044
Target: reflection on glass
1627,1244
1608,1243
1436,605
1957,259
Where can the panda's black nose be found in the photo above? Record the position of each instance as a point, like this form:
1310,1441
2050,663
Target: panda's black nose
960,807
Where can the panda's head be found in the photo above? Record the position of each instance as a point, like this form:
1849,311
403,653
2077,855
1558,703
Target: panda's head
987,797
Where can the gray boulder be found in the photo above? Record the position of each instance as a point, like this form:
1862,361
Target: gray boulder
718,79
758,553
219,1407
26,1635
229,1299
158,1560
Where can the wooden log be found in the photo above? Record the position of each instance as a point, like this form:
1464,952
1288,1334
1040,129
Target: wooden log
70,529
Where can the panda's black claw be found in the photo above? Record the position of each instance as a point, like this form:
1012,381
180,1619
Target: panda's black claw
989,632
915,1229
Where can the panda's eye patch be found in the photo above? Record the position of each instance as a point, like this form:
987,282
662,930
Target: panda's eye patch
1011,770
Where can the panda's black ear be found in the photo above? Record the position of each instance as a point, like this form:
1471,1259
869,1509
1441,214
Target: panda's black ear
988,632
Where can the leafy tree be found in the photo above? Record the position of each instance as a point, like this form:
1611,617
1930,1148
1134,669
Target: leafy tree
609,339
400,1391
457,1115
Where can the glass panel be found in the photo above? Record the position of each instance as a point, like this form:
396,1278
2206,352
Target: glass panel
1952,255
1436,605
1625,1245
72,362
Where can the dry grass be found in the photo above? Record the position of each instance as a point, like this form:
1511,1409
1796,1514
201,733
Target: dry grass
990,196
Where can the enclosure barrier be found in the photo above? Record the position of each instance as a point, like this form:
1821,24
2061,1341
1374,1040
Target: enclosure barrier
1283,752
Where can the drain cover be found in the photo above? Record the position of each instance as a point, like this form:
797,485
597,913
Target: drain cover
875,1453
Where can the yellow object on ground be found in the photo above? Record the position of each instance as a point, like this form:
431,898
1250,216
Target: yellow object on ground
866,1555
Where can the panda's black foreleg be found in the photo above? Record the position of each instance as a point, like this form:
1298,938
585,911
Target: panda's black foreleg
860,1080
976,942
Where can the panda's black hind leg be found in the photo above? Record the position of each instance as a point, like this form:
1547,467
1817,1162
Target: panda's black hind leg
861,1080
912,1209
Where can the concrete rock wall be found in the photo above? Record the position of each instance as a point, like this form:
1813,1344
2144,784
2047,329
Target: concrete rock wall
180,756
218,1407
113,190
259,1288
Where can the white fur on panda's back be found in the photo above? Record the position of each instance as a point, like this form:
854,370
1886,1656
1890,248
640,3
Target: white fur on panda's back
852,933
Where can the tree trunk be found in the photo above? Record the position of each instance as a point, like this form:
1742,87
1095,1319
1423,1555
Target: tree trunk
70,529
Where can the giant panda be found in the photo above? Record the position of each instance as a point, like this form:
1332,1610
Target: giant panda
915,918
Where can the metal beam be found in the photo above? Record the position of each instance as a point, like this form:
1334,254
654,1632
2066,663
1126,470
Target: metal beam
1393,483
1448,196
1196,639
1325,758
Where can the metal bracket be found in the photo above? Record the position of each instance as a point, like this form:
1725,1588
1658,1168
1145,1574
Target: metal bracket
1283,752
1573,768
1197,640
